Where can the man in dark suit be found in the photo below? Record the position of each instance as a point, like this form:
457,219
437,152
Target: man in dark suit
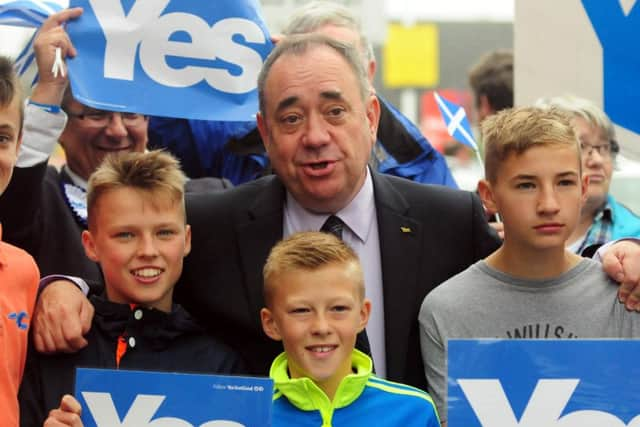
427,234
318,120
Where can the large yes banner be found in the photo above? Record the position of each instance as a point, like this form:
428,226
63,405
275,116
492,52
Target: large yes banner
550,383
120,398
179,58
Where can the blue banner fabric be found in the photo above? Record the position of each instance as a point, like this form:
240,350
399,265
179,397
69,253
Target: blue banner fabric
120,398
527,383
176,58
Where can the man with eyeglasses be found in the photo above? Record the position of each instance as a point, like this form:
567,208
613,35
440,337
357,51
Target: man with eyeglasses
602,218
44,209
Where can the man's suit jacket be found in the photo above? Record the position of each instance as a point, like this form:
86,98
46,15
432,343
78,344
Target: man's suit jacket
427,234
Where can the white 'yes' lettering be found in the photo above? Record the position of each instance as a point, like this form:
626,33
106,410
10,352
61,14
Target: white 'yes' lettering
139,414
145,27
545,407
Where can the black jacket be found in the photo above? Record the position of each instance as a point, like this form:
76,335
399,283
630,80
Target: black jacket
161,342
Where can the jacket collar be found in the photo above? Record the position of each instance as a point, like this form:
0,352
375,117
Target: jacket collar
258,229
155,326
399,231
305,395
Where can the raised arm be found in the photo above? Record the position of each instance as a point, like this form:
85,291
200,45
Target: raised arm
51,36
21,204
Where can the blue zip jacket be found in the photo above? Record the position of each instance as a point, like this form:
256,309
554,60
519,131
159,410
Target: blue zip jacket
403,151
625,223
231,150
361,400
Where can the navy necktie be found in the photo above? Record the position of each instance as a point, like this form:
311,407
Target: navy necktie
333,225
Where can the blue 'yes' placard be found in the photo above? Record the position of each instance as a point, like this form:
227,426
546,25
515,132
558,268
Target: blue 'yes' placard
531,383
177,58
120,398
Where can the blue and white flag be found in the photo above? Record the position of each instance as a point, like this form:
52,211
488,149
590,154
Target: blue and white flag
136,398
31,14
178,58
456,120
543,382
22,13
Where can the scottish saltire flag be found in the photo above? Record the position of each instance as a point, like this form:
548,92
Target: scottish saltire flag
456,120
26,13
191,59
32,14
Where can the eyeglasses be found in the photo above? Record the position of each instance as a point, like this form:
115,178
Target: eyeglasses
101,119
603,150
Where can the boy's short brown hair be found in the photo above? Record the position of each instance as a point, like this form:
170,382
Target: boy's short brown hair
516,130
310,251
156,173
10,88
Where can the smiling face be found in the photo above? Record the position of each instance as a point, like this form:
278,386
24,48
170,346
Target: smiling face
538,194
85,146
316,127
317,315
10,139
140,240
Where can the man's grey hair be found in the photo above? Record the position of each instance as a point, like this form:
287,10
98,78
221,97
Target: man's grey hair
586,109
316,14
300,44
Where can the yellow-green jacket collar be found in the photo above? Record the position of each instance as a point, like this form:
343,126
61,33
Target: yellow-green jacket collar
304,394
